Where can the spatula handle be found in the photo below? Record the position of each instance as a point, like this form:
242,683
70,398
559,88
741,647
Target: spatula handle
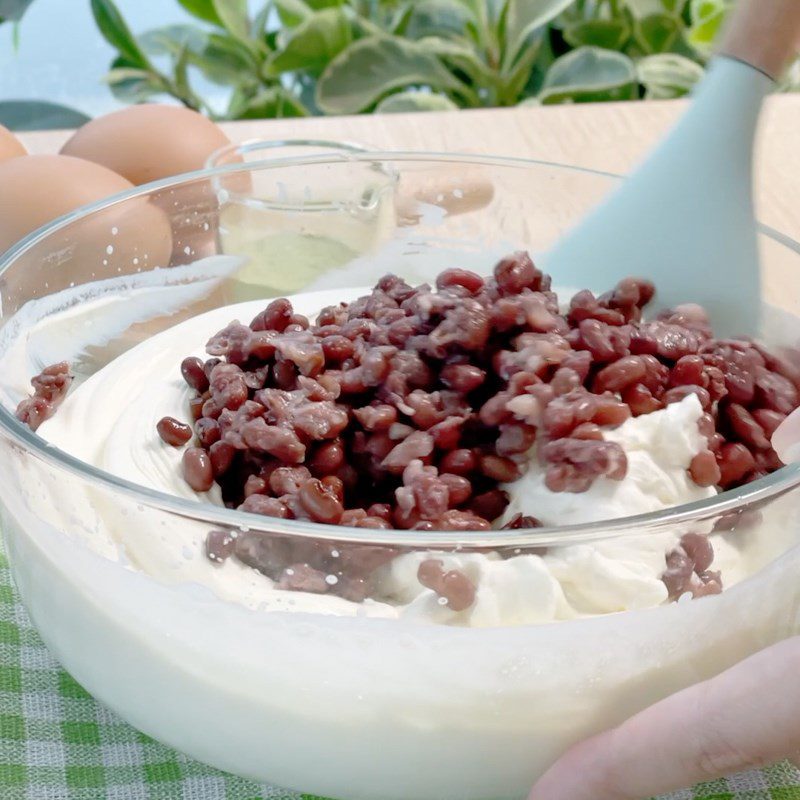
764,34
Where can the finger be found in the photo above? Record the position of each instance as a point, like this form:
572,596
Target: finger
786,439
746,717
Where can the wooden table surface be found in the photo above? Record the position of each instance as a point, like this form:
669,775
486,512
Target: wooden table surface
610,137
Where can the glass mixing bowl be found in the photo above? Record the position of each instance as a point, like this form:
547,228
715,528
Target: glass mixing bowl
334,699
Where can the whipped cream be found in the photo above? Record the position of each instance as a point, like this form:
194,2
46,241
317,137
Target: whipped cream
110,421
659,446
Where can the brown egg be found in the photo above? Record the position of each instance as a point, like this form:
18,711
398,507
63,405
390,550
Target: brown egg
147,142
128,237
10,146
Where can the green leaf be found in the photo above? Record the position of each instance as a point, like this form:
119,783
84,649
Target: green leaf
267,103
131,84
13,10
708,17
204,10
310,46
476,8
590,74
644,8
702,9
233,14
675,7
318,5
181,70
413,100
172,40
258,28
608,33
515,81
32,115
363,27
225,61
117,33
462,56
657,33
480,29
445,18
371,68
522,18
292,12
668,75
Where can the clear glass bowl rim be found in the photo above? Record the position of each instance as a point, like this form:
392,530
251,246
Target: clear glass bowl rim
254,145
759,491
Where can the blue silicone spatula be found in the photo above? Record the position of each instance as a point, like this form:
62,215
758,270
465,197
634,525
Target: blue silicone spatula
685,217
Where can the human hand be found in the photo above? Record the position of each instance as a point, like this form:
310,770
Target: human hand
745,718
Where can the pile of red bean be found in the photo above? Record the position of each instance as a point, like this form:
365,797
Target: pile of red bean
50,388
409,407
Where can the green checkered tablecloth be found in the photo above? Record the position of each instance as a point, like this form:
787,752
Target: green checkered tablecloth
58,743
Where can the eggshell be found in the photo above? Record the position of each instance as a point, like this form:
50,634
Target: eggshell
148,142
10,146
127,237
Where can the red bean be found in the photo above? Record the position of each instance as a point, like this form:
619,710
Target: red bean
453,585
746,428
194,374
219,545
459,462
196,405
334,485
679,393
515,273
489,505
254,485
197,469
221,455
699,549
704,469
619,375
337,348
327,458
275,317
735,461
470,281
640,400
503,470
382,510
589,431
379,417
268,506
319,503
610,411
459,488
207,431
463,378
173,432
689,370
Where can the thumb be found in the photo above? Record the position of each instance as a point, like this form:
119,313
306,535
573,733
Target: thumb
746,717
